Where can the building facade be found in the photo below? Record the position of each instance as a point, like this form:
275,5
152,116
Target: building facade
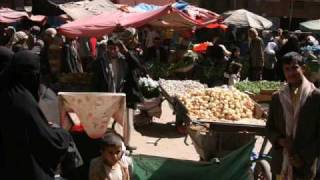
15,4
308,9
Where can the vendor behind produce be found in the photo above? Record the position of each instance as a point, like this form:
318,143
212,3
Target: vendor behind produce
157,53
293,123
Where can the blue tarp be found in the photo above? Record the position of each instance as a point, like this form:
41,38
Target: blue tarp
143,7
180,5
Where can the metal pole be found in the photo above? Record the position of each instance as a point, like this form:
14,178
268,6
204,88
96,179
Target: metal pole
291,13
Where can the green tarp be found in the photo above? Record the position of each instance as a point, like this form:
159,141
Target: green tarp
234,166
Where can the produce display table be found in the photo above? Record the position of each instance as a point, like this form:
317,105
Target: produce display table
170,89
215,138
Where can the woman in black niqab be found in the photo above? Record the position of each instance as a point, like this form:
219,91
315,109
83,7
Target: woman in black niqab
30,148
6,56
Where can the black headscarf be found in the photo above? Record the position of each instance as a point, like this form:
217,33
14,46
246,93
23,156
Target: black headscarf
5,60
29,148
25,71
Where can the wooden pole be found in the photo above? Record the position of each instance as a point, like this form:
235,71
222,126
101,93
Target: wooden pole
291,13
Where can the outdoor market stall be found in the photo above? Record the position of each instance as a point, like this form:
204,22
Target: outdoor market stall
221,120
177,15
98,26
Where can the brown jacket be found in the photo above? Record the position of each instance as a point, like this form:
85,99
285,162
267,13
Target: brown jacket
307,139
97,170
257,52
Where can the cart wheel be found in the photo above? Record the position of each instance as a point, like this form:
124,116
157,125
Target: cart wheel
262,170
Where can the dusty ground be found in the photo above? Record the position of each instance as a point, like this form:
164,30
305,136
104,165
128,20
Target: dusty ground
160,138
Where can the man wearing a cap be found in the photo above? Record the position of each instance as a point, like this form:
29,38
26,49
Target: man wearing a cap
256,55
129,46
110,74
48,39
34,42
20,42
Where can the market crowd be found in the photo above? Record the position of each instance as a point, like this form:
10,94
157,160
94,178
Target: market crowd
34,60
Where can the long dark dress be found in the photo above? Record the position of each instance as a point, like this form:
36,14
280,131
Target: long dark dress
30,148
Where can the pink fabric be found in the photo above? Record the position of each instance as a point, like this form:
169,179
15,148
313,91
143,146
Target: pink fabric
38,18
200,16
94,110
179,19
103,24
10,16
155,2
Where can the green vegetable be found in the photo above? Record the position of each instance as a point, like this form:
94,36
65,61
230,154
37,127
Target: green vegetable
256,86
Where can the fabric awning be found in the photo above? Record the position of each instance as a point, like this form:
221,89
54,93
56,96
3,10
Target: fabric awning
181,15
76,9
153,2
103,24
243,18
311,26
82,9
11,16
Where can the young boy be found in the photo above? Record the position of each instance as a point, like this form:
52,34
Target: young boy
293,123
109,165
232,76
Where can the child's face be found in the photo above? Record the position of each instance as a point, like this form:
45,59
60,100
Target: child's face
111,155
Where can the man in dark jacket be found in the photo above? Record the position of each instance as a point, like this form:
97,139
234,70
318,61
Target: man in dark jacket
110,69
256,51
293,125
157,53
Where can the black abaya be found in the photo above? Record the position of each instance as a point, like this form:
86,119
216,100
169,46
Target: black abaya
6,56
30,148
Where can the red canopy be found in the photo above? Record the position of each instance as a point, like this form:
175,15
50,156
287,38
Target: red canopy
103,24
10,16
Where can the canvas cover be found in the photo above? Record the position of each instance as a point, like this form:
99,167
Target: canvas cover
243,18
181,15
311,26
236,165
8,16
153,2
94,110
74,8
82,9
103,24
